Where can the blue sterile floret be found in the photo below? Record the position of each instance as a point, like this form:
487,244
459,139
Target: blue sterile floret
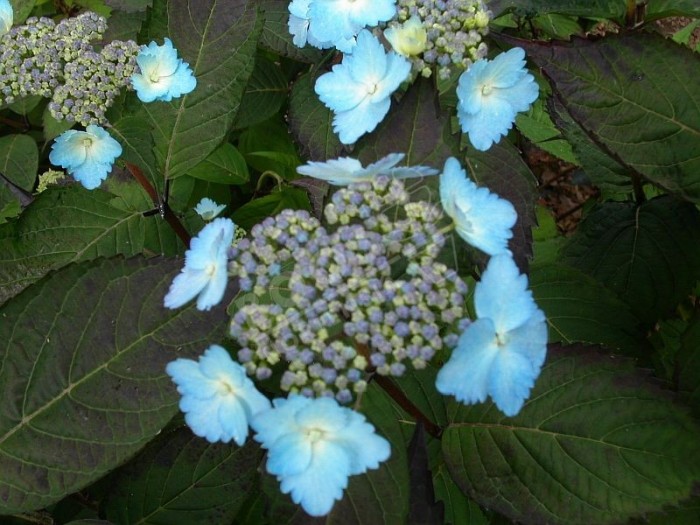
208,209
491,94
314,446
6,16
358,90
218,399
205,273
87,155
346,170
501,353
481,218
163,76
300,28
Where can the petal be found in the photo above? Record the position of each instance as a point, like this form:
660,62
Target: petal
384,164
214,291
91,174
291,455
189,379
507,68
488,125
340,171
233,420
469,87
298,28
366,449
68,150
185,287
466,374
272,424
351,125
522,94
103,149
398,69
338,90
368,63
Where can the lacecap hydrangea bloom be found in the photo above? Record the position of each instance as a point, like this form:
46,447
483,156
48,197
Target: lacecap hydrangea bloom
481,218
208,209
205,274
87,155
358,90
491,93
218,399
346,170
501,353
6,16
163,76
314,446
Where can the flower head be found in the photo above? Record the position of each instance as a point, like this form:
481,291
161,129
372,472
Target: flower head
218,399
300,28
205,273
208,209
337,21
501,353
314,445
358,90
163,76
87,155
491,93
346,170
6,16
408,39
481,218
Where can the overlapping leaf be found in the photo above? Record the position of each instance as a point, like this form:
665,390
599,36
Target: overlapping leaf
275,35
19,160
595,443
264,95
614,9
82,374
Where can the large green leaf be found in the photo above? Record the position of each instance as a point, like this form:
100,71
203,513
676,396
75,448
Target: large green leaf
71,224
614,9
218,39
580,309
224,165
663,8
276,36
19,160
648,255
181,479
636,95
687,370
266,92
596,443
82,374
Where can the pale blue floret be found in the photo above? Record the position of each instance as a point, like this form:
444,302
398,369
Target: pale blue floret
208,209
218,399
501,353
346,170
6,16
87,155
314,445
299,28
338,20
163,76
205,274
481,218
358,90
491,94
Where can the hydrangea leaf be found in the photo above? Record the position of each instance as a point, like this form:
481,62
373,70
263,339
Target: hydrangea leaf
129,6
613,9
224,165
646,254
19,160
579,309
311,122
597,442
22,9
618,91
663,8
218,40
124,25
687,370
70,224
80,398
181,479
538,127
276,37
266,92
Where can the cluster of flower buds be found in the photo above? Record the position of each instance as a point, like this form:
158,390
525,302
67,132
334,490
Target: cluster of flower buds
58,61
333,303
450,33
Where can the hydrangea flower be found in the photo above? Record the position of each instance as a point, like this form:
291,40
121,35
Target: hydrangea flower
6,16
208,209
314,445
481,218
501,353
358,90
218,399
408,39
491,93
163,76
205,273
299,27
87,155
337,21
346,170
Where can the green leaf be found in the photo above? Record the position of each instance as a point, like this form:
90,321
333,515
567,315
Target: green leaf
635,95
614,9
646,254
539,129
597,442
415,126
311,122
90,522
687,370
580,309
181,479
218,39
82,374
19,160
662,8
224,165
276,37
129,6
71,224
264,95
21,9
134,135
52,127
268,146
256,210
124,25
